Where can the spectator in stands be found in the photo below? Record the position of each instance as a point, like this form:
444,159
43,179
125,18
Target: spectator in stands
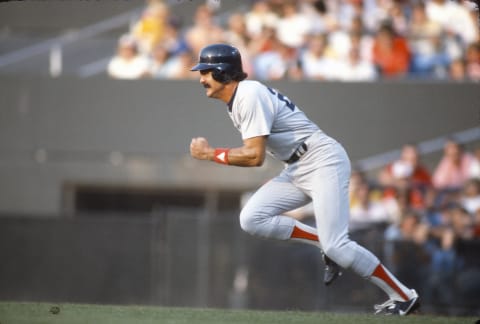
128,63
444,263
355,68
402,195
457,70
180,64
316,62
462,224
390,53
357,179
320,18
265,42
476,224
474,170
410,157
366,211
237,35
166,65
397,201
276,6
346,11
409,228
455,224
407,240
341,41
398,18
452,46
454,18
429,58
259,17
293,26
150,29
473,7
204,30
376,12
281,62
472,58
173,41
159,63
452,171
470,197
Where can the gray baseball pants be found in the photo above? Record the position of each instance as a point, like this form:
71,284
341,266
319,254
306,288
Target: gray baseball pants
321,175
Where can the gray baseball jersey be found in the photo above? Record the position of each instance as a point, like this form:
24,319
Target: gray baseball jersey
257,110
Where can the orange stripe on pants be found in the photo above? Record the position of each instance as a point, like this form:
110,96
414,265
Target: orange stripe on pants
300,234
380,273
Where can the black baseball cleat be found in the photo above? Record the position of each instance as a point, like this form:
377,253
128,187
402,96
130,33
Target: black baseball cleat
332,270
395,307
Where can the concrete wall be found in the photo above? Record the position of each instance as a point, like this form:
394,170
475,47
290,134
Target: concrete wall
61,131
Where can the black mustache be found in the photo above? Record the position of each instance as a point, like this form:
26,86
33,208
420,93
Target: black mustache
206,86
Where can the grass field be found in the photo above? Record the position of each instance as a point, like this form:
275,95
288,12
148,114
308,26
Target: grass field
36,313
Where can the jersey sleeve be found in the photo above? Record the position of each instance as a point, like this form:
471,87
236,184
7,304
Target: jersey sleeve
256,115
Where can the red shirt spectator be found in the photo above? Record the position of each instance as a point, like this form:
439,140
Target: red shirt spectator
419,174
390,53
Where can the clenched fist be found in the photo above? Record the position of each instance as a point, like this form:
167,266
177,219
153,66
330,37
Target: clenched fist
200,149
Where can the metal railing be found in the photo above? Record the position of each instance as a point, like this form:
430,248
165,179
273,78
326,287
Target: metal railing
424,147
54,46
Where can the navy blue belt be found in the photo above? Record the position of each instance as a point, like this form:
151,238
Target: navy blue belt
299,152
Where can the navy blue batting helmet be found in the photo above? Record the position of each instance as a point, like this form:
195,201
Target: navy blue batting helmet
224,60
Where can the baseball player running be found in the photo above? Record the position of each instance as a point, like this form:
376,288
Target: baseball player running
317,169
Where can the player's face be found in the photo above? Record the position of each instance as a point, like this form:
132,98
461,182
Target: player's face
214,89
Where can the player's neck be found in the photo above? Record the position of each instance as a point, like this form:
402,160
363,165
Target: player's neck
228,91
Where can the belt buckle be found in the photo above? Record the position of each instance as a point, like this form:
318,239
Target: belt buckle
299,152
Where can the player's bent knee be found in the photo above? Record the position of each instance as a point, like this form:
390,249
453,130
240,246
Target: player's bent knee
254,222
247,222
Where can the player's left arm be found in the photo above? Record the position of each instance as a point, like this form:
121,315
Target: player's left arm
250,154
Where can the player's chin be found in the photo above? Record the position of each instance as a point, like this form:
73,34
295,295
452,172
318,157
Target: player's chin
209,92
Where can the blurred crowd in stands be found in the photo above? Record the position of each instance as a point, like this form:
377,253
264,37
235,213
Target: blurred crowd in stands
437,214
346,40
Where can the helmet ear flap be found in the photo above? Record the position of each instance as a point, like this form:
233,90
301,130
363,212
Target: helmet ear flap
221,76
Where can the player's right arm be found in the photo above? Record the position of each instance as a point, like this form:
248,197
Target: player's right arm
250,154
